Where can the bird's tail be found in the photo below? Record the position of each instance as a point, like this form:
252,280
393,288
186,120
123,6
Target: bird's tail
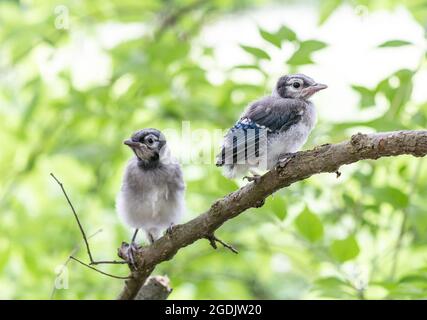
220,158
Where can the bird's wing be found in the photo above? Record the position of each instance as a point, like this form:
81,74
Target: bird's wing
248,137
276,114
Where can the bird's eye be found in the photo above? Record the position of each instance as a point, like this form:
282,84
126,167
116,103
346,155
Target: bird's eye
150,140
296,85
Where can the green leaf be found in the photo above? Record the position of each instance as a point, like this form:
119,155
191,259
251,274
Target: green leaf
330,282
346,249
271,37
333,287
258,53
394,43
327,7
309,225
349,201
247,66
276,38
413,278
278,205
367,96
285,33
303,54
209,51
392,195
397,93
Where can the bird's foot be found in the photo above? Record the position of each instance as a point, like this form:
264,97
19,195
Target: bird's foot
284,159
170,229
255,178
128,253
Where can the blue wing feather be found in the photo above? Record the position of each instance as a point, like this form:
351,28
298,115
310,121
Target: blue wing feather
267,116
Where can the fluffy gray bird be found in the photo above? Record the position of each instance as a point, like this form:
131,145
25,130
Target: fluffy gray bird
152,193
271,128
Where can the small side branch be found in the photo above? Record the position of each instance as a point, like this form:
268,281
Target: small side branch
94,263
85,238
89,253
213,240
64,265
100,271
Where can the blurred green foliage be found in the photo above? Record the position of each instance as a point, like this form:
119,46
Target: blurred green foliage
363,235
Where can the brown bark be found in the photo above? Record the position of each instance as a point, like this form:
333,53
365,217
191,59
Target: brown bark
325,158
155,288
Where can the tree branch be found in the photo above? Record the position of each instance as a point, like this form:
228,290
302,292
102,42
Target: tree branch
325,158
155,288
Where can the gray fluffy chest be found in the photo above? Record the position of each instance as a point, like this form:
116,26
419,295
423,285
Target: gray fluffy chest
153,186
151,199
293,139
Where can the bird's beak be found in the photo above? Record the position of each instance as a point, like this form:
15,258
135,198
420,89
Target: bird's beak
131,143
318,86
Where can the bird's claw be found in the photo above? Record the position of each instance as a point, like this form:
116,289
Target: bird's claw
255,178
129,253
170,229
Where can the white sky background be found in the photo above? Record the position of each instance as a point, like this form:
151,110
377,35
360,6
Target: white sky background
352,56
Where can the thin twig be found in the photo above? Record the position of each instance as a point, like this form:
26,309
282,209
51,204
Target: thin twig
92,262
172,18
75,215
64,265
213,240
100,271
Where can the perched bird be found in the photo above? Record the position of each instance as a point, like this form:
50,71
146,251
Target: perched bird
152,193
272,128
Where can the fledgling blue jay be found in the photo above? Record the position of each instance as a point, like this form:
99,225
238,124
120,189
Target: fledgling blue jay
152,193
271,128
